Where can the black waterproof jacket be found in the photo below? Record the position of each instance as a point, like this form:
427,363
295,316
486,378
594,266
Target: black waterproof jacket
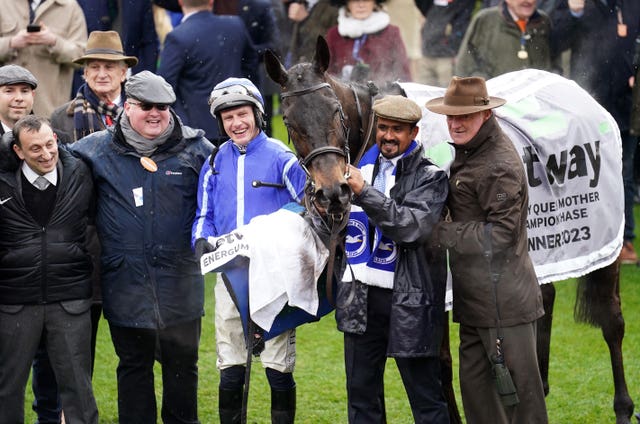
48,264
407,217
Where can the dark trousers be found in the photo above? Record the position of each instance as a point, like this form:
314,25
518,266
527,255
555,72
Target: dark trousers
66,326
176,348
46,402
629,147
365,359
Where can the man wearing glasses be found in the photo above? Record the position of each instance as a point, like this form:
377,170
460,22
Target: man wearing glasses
145,170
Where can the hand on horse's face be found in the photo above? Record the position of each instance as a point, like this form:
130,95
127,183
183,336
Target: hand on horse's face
355,180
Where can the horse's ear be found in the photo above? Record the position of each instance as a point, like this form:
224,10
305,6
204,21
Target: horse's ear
322,57
274,68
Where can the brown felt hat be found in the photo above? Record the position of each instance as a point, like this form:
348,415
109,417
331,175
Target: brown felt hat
105,45
463,96
397,108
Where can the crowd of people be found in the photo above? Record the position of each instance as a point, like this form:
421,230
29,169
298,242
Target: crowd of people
113,185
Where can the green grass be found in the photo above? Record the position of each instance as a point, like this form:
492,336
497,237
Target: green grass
580,371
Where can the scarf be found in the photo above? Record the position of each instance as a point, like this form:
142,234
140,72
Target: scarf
374,263
88,111
354,28
140,144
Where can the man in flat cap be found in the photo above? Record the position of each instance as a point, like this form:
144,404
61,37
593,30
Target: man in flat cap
17,93
100,99
493,277
145,168
395,307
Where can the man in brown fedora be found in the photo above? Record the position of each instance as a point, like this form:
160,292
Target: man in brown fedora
99,100
496,297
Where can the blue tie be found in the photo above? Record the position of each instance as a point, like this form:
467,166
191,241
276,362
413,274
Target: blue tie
379,182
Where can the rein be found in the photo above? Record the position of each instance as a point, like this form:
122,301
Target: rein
334,223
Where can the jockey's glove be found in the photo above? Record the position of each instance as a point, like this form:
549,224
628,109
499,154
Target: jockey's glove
203,246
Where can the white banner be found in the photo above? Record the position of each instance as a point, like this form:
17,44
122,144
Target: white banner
572,153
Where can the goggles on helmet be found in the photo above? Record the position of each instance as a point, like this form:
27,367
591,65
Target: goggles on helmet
233,96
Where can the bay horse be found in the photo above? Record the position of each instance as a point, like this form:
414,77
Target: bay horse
319,110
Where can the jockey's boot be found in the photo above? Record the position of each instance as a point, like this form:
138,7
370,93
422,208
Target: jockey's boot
230,406
283,406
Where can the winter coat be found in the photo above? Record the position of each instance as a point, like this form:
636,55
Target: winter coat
407,217
51,264
444,27
601,61
302,36
150,276
383,52
491,44
488,201
52,66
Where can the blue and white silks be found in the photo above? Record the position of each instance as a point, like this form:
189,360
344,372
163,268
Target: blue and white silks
371,264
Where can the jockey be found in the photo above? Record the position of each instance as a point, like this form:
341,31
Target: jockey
228,199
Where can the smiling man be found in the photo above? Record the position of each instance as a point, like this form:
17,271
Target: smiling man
397,306
17,93
227,200
146,172
99,100
45,271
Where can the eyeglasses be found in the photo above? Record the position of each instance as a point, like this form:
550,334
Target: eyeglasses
232,89
148,106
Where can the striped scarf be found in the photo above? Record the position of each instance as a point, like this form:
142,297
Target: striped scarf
375,265
88,111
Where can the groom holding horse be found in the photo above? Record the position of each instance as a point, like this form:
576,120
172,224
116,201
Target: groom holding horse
395,305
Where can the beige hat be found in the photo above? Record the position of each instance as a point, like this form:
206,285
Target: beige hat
397,108
463,96
105,45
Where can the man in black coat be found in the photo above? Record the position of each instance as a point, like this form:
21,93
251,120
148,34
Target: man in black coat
45,271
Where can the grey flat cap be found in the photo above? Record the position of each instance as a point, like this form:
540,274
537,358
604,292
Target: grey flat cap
14,74
149,88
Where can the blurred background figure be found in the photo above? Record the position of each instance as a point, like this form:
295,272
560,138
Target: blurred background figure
365,46
56,35
601,37
511,36
306,20
445,24
199,53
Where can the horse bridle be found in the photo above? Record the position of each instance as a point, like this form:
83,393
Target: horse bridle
335,223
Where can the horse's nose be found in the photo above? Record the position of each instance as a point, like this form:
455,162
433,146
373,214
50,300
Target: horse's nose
334,199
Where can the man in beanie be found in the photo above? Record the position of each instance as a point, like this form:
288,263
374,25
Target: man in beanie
227,199
99,100
395,306
496,297
145,169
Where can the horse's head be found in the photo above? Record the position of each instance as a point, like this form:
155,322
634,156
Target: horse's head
316,124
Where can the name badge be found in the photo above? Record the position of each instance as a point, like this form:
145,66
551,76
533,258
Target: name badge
137,197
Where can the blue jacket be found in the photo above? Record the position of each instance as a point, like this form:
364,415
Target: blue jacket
199,53
226,197
150,276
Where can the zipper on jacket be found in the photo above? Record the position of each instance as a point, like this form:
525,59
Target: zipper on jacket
43,265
